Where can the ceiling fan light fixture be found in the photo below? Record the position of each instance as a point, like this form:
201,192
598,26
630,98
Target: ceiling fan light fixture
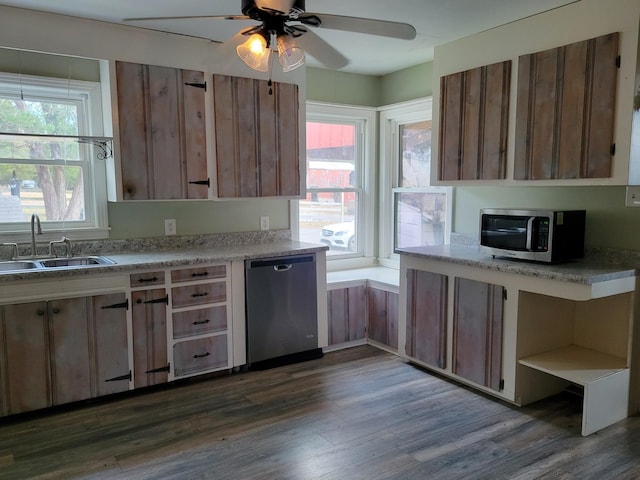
290,55
255,53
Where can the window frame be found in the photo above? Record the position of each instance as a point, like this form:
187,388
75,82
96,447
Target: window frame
88,97
391,118
364,119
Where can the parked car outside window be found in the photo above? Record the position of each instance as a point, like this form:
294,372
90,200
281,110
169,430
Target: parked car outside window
339,235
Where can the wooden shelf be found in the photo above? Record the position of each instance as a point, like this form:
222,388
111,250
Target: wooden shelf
576,364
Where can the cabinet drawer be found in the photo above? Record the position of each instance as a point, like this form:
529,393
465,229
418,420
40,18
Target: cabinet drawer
147,278
199,273
203,320
200,355
199,294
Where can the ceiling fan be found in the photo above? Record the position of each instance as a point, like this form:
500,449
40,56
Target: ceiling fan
283,26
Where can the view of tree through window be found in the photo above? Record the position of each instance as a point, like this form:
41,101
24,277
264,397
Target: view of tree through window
39,174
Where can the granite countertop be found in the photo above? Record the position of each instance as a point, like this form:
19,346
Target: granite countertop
176,257
586,271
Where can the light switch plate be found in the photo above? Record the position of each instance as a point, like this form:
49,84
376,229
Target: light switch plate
632,198
264,223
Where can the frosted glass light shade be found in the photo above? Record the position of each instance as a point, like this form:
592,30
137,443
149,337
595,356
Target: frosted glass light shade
290,56
254,52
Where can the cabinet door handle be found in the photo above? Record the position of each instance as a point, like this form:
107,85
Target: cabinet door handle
203,322
124,304
152,279
202,355
203,294
203,274
197,85
55,310
206,182
40,313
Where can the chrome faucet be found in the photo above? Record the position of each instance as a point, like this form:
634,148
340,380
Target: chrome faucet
35,222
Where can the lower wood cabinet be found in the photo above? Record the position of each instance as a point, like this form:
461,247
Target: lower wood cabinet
61,351
149,318
426,334
383,317
347,310
477,332
202,354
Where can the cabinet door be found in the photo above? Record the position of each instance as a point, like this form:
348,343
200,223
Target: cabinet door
162,132
149,312
24,360
69,347
565,113
347,314
474,111
383,317
200,355
256,132
477,332
109,343
427,317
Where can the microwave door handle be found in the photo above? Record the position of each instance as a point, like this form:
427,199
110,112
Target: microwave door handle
530,233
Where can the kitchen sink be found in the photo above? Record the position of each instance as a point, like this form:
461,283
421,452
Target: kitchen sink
12,265
76,261
59,262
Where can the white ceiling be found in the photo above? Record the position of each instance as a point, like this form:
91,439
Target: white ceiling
436,22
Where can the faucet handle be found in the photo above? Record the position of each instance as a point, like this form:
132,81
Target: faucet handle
14,247
66,241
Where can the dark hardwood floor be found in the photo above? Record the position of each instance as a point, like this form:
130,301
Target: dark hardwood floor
359,413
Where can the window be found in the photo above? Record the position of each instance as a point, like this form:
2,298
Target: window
338,182
44,168
412,212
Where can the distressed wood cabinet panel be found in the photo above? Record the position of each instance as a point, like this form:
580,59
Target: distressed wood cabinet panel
69,349
109,343
162,132
198,322
427,317
565,112
201,354
474,110
383,316
199,273
257,144
199,294
477,332
26,382
149,311
347,310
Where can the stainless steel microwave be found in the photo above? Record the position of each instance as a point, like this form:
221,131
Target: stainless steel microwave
537,235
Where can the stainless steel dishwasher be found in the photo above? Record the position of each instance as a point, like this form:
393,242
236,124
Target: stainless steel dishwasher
282,310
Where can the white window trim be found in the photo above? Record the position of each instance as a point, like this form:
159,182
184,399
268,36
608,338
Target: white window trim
91,94
391,117
366,117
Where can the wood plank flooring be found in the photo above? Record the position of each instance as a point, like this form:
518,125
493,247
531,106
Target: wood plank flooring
359,413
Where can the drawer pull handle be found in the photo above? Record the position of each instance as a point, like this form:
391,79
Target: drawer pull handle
203,294
201,356
152,279
202,322
203,274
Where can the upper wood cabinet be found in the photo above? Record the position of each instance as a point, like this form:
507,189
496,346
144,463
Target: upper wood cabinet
256,138
474,110
566,111
162,127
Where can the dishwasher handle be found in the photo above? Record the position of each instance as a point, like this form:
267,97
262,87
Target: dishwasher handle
283,267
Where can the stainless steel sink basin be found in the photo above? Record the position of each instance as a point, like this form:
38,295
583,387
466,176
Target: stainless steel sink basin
76,261
12,265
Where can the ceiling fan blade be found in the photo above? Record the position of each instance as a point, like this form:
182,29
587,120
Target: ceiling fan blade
224,17
322,51
369,26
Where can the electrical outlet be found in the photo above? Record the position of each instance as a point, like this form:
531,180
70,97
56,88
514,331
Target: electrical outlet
264,223
170,226
632,197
